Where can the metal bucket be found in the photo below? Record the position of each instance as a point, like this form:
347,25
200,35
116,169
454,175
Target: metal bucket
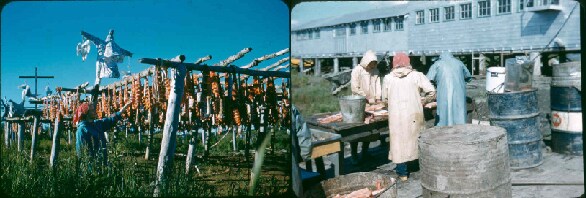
352,108
518,113
346,184
464,161
519,76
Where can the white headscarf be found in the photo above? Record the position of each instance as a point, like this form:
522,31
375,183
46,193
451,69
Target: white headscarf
368,57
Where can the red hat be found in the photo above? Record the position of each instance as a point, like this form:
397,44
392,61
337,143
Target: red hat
81,112
401,60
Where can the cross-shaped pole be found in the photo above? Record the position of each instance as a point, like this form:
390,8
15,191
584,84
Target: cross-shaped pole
36,77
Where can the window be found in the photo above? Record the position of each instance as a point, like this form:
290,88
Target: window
419,17
388,24
449,13
529,3
310,34
317,33
504,6
364,27
376,25
466,11
352,28
340,30
434,15
399,23
484,8
521,5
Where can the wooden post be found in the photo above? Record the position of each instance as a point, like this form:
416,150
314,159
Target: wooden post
34,139
150,135
7,131
68,135
171,124
234,139
55,147
336,65
139,128
301,66
20,135
190,150
317,67
354,62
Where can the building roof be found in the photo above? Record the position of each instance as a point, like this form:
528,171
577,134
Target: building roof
385,12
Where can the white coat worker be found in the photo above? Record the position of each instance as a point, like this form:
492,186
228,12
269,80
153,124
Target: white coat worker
365,81
401,89
450,75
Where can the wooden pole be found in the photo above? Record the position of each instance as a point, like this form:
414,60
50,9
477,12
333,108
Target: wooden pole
233,58
171,124
256,61
55,147
203,59
20,135
34,139
150,135
68,135
7,131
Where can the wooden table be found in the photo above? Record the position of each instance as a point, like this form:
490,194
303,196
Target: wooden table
322,144
377,129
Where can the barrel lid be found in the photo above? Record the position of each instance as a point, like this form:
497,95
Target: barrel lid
461,134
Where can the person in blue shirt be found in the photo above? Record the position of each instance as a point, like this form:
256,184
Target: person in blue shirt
90,131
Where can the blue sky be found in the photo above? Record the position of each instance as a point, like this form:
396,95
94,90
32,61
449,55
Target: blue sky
308,11
45,34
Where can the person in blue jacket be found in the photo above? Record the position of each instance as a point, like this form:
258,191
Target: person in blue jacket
450,75
90,131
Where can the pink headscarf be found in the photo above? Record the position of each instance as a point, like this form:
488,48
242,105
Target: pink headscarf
401,60
81,112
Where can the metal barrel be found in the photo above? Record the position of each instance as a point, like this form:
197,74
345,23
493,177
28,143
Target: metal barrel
565,99
518,114
566,132
464,161
566,109
352,108
346,184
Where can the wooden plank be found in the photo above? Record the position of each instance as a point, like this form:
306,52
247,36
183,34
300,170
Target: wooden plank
325,149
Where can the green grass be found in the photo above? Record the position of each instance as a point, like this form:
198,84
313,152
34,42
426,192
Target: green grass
223,173
312,95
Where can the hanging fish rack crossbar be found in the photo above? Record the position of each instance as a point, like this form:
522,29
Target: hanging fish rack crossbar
174,96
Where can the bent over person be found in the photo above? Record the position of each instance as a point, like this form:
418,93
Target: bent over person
450,75
401,88
365,81
91,132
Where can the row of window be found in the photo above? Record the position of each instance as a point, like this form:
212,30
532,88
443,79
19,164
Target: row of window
449,14
387,24
484,9
308,34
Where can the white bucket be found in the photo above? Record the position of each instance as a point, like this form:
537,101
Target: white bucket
495,79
